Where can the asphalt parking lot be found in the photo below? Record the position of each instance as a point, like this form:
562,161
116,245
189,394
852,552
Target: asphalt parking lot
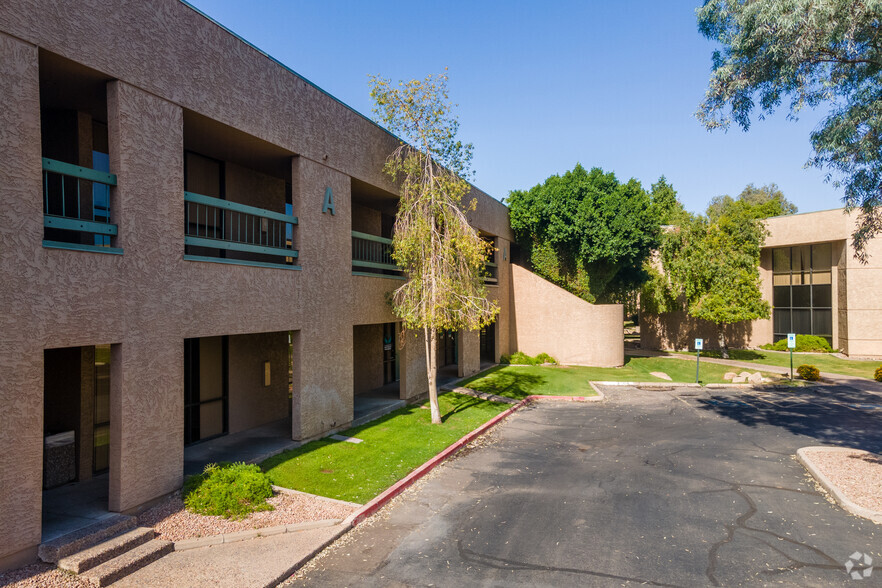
671,487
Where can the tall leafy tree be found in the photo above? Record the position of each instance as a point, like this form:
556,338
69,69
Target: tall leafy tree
441,254
668,208
816,52
586,232
761,203
710,269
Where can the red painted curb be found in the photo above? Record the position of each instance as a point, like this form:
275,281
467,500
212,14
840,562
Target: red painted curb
400,486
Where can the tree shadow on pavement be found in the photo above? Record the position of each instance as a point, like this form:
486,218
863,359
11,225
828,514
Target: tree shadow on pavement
831,415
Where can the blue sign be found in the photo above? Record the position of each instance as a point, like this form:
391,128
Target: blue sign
699,344
791,340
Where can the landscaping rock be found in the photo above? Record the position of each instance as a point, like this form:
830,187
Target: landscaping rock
745,375
662,375
756,378
729,375
739,380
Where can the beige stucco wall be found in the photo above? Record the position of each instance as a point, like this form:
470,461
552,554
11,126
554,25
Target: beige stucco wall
547,318
251,403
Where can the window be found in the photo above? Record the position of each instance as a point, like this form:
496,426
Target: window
802,290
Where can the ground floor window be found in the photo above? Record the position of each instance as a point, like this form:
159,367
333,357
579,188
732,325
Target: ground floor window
802,294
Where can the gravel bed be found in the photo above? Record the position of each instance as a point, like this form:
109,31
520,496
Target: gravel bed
173,522
858,474
41,575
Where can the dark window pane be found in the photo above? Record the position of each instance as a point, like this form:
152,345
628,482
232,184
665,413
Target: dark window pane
821,256
802,296
822,322
781,260
781,319
781,296
802,322
822,296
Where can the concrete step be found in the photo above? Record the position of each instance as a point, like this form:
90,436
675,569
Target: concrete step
81,539
130,561
106,550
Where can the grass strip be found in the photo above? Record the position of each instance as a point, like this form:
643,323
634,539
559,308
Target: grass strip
392,446
521,381
824,362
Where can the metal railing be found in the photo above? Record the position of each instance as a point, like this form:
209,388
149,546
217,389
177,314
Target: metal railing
230,226
77,199
373,255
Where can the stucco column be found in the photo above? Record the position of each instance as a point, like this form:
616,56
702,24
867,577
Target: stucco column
147,366
469,352
322,397
21,366
502,294
413,381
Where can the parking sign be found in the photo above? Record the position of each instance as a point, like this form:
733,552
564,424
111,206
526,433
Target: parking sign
791,340
699,344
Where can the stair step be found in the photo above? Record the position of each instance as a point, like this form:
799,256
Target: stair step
89,558
123,565
66,545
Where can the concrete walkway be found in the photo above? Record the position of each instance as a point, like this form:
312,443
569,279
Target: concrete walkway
264,561
862,384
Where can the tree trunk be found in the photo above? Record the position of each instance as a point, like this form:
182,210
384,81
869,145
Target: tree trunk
432,372
724,351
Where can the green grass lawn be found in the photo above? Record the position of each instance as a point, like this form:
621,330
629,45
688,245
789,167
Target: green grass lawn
824,362
522,381
391,448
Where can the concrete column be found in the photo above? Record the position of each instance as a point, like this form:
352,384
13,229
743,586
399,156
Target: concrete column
147,368
322,398
469,352
21,354
503,298
412,365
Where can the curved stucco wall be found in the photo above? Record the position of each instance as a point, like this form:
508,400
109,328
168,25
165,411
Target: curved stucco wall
547,318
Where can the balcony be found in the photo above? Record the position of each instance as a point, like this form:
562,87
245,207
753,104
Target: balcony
76,208
372,256
229,232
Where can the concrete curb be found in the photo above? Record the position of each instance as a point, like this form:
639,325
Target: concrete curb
186,544
830,487
293,492
305,559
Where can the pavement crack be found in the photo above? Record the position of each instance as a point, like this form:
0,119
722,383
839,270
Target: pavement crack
501,563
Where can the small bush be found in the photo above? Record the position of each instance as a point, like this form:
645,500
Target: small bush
232,491
878,375
804,343
808,372
521,358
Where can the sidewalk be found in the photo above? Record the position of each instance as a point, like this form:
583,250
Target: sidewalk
862,384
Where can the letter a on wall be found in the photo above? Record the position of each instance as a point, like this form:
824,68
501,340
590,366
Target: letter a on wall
329,201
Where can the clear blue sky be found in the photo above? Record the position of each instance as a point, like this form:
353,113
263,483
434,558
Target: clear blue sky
544,85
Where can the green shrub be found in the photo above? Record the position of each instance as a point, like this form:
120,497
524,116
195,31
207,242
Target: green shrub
878,375
232,491
804,343
521,358
808,372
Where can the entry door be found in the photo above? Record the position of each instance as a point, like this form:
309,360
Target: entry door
488,343
390,361
448,348
206,410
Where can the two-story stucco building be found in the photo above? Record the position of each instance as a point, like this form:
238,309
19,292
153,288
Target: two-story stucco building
195,243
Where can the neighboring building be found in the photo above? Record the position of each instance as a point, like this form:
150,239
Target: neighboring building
194,242
814,283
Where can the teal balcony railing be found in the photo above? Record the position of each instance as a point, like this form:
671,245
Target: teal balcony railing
373,255
76,207
219,230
